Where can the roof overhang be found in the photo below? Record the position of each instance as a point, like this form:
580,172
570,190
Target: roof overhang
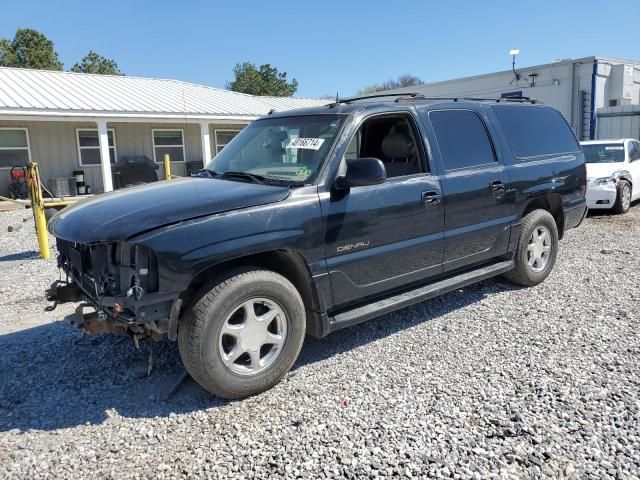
91,116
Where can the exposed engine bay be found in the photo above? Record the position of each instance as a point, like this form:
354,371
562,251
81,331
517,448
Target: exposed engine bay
118,282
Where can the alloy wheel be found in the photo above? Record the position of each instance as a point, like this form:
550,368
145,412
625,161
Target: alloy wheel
626,196
539,248
253,336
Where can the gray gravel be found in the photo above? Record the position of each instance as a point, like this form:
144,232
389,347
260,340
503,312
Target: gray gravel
489,381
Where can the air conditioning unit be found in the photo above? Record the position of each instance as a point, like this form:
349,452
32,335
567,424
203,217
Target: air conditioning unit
621,83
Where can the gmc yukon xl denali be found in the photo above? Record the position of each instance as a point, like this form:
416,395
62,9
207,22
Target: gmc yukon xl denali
314,220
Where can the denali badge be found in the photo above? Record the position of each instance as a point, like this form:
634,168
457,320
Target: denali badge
353,246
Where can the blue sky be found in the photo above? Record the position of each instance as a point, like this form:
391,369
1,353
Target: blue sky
328,45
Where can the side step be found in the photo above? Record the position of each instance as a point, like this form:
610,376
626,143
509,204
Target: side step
420,294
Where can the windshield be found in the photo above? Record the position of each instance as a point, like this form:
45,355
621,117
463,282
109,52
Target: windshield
603,152
281,149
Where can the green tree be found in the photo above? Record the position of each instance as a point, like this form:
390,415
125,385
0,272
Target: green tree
94,63
265,80
29,49
402,81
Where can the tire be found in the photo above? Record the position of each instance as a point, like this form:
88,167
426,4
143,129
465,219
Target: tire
524,273
224,306
623,199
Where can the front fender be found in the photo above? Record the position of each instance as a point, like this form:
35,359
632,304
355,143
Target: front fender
185,249
624,175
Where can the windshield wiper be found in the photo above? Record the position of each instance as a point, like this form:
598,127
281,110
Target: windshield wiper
207,172
250,176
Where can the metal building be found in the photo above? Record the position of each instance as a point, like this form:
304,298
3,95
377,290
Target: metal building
576,87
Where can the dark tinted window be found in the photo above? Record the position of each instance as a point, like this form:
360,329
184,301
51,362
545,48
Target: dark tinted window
534,131
462,138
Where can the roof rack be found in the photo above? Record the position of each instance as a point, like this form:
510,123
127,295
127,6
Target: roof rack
475,99
376,95
408,96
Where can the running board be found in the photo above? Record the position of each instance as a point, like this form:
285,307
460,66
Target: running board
420,294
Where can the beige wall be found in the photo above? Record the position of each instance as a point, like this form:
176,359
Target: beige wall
54,146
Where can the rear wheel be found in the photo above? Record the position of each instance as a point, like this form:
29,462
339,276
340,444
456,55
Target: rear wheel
243,333
537,249
623,199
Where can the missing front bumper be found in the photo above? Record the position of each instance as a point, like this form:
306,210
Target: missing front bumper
93,322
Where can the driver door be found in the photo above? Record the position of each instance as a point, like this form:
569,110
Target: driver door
383,237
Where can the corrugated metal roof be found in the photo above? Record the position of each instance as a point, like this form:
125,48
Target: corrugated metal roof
41,92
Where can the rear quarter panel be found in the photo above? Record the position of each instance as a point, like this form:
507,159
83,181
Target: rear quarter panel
531,178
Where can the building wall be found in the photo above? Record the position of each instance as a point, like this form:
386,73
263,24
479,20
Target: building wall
54,146
565,85
618,122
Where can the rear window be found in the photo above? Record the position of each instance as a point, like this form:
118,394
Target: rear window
535,131
462,138
603,152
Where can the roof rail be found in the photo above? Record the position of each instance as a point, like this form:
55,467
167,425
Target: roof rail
474,99
377,95
410,96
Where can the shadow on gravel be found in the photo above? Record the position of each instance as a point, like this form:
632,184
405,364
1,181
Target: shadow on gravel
51,377
597,213
32,254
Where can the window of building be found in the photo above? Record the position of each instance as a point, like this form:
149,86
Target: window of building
14,147
168,141
533,131
391,139
223,137
89,146
462,139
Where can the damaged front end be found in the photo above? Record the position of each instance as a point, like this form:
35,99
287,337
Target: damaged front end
118,283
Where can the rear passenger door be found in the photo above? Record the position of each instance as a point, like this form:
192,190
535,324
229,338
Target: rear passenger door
474,185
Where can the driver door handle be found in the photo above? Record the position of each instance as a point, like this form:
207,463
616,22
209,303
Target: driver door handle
431,197
496,186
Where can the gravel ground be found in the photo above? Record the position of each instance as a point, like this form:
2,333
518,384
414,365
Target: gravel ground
489,381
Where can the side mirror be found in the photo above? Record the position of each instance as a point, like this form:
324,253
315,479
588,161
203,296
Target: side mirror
362,172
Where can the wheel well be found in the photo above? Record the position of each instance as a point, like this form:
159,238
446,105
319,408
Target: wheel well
287,263
552,203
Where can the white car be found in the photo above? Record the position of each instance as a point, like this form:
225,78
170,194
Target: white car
613,173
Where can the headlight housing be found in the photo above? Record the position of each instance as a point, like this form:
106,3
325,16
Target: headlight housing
605,181
610,180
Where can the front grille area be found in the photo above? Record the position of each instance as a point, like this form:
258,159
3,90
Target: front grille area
109,269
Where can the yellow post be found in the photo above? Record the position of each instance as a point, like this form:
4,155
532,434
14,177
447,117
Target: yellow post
167,167
37,204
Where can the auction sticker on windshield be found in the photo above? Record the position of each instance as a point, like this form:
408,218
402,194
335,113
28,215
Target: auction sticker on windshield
306,143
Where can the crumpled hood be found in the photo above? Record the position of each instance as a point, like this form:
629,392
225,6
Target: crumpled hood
600,170
124,213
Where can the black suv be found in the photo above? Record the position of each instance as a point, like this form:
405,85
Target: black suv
317,219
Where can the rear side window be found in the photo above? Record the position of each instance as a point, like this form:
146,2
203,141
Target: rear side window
462,138
535,131
634,153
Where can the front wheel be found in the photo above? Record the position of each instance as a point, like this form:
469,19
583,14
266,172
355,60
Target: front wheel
243,333
536,250
623,199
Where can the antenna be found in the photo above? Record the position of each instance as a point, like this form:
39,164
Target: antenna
514,52
337,98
